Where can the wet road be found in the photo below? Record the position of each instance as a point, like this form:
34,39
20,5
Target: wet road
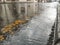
37,30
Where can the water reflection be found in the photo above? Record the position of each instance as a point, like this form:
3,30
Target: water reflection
34,34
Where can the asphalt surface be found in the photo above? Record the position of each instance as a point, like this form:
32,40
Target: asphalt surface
37,30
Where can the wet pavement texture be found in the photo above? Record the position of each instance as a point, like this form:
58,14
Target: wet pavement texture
37,30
